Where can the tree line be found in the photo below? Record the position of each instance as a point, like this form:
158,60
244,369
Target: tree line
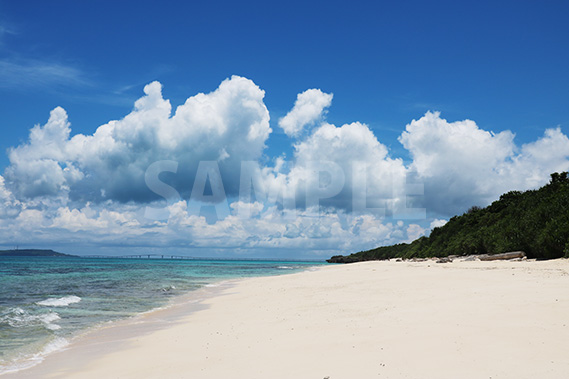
534,221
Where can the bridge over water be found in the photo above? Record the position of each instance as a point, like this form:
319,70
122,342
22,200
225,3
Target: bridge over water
140,256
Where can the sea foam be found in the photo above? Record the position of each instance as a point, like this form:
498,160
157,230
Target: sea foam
60,302
20,318
57,344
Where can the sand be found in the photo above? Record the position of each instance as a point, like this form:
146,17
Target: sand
365,320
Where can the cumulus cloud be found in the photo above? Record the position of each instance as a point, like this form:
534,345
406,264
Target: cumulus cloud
43,166
414,231
462,165
228,125
308,108
125,226
537,160
292,231
345,168
9,206
342,190
88,219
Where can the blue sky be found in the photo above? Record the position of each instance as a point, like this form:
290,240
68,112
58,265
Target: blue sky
502,65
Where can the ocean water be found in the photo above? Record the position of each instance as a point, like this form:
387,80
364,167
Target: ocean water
45,301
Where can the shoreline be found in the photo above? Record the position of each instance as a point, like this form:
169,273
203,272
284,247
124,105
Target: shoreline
136,325
368,319
74,328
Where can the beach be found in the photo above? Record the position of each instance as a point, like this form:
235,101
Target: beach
381,319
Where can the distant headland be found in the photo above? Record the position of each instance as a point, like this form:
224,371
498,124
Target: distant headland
32,253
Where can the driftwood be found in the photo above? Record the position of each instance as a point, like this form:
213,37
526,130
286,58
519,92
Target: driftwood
445,260
510,255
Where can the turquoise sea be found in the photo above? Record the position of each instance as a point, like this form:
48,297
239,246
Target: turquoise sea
45,301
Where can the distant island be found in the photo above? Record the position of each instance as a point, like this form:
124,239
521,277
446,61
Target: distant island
32,253
535,221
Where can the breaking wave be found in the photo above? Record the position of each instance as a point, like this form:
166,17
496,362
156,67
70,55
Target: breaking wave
60,302
20,318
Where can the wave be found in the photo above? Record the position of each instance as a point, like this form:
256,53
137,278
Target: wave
60,302
20,318
57,344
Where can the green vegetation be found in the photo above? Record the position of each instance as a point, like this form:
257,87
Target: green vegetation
536,222
32,253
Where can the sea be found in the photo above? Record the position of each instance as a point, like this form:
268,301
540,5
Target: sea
46,301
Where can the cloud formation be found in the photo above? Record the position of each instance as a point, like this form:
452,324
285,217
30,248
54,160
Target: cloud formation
462,165
346,167
228,125
308,109
9,206
341,191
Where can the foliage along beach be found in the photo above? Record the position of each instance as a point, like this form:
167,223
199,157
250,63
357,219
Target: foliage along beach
535,222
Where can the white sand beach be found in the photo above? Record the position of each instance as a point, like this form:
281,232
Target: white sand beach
496,319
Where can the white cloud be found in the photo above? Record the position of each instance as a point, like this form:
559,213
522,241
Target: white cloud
247,209
230,124
4,193
414,231
349,163
43,166
437,223
462,165
90,220
110,224
437,145
537,160
91,189
292,231
318,230
308,108
9,206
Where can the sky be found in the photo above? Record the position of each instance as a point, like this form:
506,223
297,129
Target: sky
274,130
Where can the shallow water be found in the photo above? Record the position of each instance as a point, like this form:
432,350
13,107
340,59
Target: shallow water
44,301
